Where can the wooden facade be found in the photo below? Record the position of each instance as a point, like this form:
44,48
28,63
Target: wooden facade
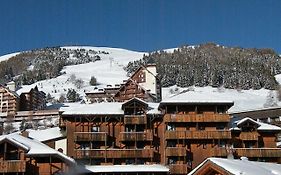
114,139
32,100
9,101
15,158
179,136
143,84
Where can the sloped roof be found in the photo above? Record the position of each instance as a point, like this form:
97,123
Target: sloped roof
126,168
104,108
247,119
34,147
45,134
238,167
11,92
135,99
260,126
192,97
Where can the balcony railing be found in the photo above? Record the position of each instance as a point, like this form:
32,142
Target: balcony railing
219,134
249,136
258,152
90,136
179,169
196,118
114,153
135,119
176,151
136,136
12,166
218,152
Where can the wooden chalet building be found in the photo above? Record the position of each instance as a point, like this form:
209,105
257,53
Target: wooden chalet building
22,155
143,84
194,130
178,133
270,115
26,99
255,140
9,101
31,99
115,134
220,166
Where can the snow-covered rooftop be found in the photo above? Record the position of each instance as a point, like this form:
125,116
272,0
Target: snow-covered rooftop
45,134
35,147
261,126
104,108
243,167
25,89
95,108
127,168
197,97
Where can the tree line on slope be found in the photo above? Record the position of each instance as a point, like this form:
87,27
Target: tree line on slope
213,65
31,66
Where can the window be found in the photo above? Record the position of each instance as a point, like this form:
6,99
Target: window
172,160
96,129
171,143
222,144
171,127
220,127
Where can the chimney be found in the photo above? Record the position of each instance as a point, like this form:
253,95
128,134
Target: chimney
25,133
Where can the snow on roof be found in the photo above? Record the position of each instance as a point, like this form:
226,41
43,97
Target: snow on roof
244,167
95,108
261,126
247,119
25,89
197,97
257,109
34,147
104,108
127,168
153,108
46,134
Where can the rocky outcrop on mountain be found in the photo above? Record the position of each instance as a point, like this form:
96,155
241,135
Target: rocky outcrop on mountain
213,65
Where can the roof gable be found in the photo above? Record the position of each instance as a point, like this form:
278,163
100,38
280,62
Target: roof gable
134,100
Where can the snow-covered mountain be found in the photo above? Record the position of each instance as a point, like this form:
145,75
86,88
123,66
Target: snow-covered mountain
109,71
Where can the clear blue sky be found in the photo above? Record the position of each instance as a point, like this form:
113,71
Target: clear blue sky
142,25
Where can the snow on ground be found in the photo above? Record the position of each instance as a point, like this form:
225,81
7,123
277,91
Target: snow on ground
243,100
108,70
6,57
278,78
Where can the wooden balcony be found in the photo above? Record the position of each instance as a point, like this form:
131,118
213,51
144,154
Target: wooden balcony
249,135
135,119
115,153
136,136
90,136
218,152
179,169
196,118
258,152
218,134
12,166
176,151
